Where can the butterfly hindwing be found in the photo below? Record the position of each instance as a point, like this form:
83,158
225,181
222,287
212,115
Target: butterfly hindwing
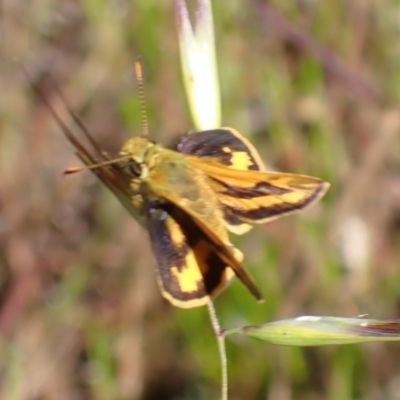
190,270
225,146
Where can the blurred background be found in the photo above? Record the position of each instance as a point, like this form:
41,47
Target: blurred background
314,85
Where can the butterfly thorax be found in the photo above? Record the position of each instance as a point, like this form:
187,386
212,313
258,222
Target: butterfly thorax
167,176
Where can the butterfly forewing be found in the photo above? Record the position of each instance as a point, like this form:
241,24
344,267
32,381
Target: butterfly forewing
259,197
247,195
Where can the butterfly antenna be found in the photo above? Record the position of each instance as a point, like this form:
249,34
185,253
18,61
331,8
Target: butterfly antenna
142,97
114,161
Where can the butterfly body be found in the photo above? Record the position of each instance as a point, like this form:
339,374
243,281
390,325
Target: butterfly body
185,223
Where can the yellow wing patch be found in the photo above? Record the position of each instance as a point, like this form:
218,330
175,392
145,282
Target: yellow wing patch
240,160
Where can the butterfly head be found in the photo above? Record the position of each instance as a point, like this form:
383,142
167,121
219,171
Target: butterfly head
139,152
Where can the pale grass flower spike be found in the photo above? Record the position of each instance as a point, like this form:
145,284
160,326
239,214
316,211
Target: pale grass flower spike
198,62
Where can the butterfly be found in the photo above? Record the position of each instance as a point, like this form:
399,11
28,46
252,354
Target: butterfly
213,182
191,196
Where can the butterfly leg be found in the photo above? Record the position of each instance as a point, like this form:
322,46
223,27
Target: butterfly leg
138,203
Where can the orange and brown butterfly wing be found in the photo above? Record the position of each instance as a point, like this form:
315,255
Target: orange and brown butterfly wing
190,270
259,197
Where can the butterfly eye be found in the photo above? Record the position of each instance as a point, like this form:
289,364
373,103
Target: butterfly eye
135,169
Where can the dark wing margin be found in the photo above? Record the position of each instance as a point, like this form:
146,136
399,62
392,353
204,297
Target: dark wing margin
225,146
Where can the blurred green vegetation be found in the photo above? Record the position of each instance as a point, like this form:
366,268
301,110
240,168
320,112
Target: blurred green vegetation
313,84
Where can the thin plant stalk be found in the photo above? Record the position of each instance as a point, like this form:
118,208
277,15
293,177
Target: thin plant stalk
221,349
